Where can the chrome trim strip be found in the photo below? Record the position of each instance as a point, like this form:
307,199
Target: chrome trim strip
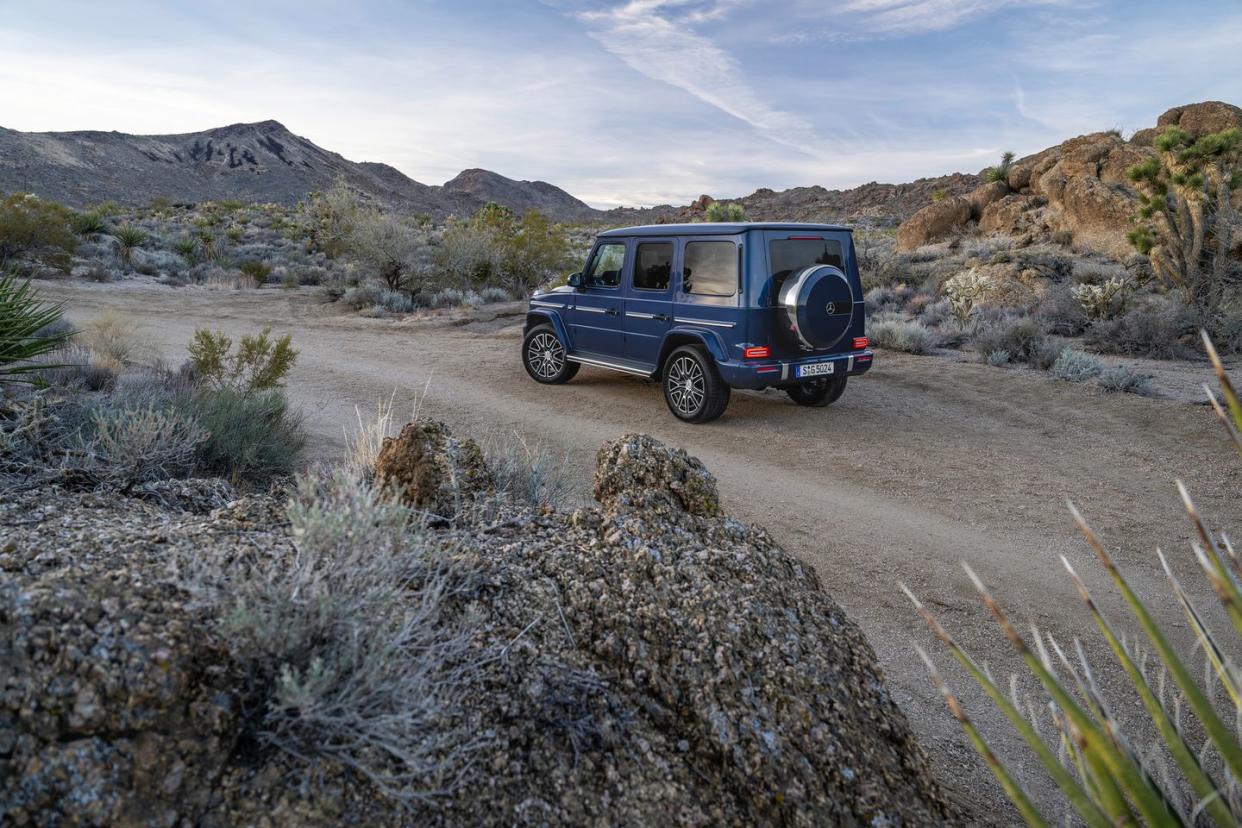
602,364
849,366
538,304
592,310
637,315
711,322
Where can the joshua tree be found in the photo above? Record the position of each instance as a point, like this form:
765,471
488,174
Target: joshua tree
1001,171
725,211
1188,217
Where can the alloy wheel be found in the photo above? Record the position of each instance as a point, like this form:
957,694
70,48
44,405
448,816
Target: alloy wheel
545,355
687,386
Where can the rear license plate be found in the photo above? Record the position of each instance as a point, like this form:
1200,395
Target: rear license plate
815,369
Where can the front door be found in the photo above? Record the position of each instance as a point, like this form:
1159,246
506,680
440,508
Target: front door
597,326
649,302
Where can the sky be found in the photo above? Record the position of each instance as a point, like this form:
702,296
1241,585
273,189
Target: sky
627,102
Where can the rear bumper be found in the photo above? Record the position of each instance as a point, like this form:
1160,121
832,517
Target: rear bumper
757,374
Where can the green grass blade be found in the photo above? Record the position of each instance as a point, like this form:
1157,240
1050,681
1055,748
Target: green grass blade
1226,387
1216,657
1012,788
1078,798
1202,784
1222,738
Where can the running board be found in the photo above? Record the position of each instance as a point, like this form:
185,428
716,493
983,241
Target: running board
615,366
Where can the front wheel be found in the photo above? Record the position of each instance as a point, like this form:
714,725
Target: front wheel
817,392
543,355
693,387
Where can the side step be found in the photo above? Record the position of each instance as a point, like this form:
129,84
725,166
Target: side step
626,366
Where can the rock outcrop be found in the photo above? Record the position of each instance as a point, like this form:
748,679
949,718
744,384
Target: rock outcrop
430,470
1076,191
648,661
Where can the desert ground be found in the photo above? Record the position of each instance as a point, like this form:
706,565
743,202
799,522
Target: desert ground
925,462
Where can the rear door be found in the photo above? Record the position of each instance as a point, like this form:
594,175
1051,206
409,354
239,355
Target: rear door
649,300
596,324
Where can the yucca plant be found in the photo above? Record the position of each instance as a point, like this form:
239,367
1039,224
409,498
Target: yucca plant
24,320
128,239
1106,780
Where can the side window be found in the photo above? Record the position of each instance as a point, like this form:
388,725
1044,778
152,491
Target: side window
653,264
710,268
605,269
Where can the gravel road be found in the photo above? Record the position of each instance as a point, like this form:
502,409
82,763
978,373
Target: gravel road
923,463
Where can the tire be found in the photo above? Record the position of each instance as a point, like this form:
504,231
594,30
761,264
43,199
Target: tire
817,393
544,358
693,389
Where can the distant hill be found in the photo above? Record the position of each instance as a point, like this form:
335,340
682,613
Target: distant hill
262,162
265,162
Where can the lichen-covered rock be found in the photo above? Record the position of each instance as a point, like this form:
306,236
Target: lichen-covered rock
986,194
1201,118
647,661
933,222
640,471
430,469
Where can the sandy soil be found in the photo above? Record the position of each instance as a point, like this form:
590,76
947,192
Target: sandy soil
923,463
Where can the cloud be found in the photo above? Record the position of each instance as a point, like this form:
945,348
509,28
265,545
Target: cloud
864,20
657,39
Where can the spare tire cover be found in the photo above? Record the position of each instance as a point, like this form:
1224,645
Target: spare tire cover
818,305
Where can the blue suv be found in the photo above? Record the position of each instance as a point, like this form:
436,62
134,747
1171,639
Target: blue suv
706,308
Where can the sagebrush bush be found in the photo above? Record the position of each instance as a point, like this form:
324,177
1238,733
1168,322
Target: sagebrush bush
1153,329
528,473
34,228
1060,313
350,652
911,337
133,445
1075,366
1020,338
1125,379
251,436
112,338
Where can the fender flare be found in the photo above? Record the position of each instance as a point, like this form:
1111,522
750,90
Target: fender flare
710,340
541,316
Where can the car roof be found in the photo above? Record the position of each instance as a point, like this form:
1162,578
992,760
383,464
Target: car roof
707,228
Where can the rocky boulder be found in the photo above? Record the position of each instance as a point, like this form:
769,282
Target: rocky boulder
933,222
430,469
1201,118
987,194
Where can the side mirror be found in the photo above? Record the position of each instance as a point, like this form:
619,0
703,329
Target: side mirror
574,280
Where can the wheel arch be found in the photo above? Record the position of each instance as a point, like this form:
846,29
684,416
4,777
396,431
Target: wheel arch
543,317
677,337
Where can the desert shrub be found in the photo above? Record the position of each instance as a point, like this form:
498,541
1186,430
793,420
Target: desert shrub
496,248
528,473
1226,328
727,211
255,269
447,298
288,278
1180,763
911,337
363,295
259,363
349,649
234,233
878,264
28,329
390,247
1075,366
495,294
937,313
1101,300
1153,329
1125,379
965,291
89,223
128,239
32,227
1060,313
997,359
330,220
1045,355
130,446
75,368
154,262
312,275
1050,262
1001,171
110,337
1020,338
187,248
250,436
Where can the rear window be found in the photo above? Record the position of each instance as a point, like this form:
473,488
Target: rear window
791,256
710,268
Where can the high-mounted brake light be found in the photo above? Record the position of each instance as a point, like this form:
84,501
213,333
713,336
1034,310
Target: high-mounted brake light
806,238
757,352
861,343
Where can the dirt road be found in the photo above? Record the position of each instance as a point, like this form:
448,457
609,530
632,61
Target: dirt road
923,463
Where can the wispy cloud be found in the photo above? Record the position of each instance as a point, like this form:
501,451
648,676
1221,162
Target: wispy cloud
865,20
657,39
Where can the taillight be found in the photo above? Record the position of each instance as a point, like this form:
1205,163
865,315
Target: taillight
861,343
757,352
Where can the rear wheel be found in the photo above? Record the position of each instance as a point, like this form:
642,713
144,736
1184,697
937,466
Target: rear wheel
544,357
817,392
693,387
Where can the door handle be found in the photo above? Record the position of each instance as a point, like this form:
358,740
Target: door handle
661,317
611,311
